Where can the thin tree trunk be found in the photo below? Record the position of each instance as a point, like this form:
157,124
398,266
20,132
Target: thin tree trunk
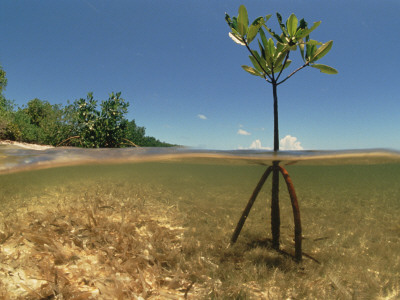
276,127
275,214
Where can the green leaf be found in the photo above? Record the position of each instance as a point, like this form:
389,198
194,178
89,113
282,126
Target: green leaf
253,29
316,24
234,23
237,38
263,38
311,48
280,48
291,24
268,58
322,51
274,35
256,55
260,59
251,34
303,24
325,69
228,20
264,55
243,20
287,64
270,51
256,64
301,47
279,17
305,32
279,68
252,71
235,32
271,47
280,57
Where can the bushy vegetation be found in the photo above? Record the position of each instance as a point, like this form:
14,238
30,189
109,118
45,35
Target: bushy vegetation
77,124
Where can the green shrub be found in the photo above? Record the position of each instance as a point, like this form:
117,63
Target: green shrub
48,121
113,125
6,108
105,128
20,128
77,124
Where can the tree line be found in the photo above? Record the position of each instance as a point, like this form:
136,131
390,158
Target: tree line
84,123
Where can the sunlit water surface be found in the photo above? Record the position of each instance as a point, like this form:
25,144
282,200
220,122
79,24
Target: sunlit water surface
349,203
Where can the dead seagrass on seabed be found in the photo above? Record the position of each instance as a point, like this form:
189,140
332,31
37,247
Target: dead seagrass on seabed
107,249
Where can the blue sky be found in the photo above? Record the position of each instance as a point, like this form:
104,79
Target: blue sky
175,64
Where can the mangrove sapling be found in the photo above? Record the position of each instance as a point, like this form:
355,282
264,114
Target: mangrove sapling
269,63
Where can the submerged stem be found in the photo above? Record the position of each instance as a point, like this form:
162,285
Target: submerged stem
249,205
275,214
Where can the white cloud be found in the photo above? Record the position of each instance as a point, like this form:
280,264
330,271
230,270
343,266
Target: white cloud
256,145
287,143
290,143
203,117
243,132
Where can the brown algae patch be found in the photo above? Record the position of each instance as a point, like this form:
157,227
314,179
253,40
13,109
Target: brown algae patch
91,248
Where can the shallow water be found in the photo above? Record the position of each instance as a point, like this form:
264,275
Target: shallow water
349,202
14,158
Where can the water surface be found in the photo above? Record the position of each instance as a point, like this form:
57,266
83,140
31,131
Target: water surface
182,206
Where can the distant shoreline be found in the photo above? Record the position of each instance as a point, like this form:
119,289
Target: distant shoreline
26,145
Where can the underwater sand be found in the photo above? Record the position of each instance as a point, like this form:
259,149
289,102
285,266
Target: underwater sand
156,225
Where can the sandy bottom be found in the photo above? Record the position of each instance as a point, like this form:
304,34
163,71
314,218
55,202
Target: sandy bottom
26,145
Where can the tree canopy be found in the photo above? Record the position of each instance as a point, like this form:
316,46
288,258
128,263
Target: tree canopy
79,124
3,80
272,58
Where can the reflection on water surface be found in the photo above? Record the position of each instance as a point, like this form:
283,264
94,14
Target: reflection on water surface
13,157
